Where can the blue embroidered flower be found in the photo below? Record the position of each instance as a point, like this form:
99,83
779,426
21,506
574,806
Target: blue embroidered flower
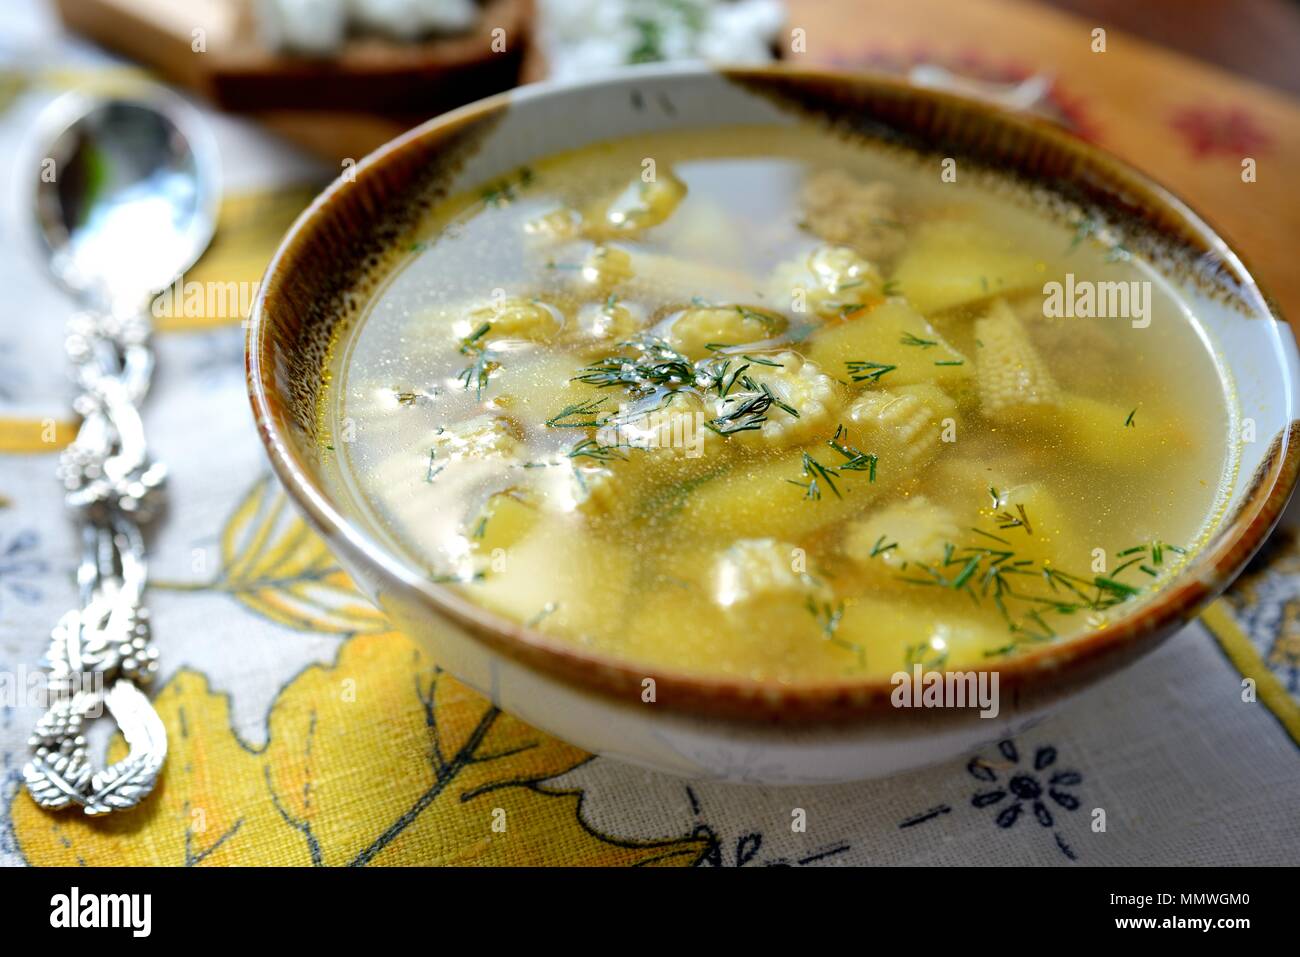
747,847
1024,788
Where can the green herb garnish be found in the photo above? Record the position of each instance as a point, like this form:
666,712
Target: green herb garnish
577,409
591,449
863,371
909,339
881,546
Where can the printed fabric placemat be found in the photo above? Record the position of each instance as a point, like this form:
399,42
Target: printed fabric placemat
300,722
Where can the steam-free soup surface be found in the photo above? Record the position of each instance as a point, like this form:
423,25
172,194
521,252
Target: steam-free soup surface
765,403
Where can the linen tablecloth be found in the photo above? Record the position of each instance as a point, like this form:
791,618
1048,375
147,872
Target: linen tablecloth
299,721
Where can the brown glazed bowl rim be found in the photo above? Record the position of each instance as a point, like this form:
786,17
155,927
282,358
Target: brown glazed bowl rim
1028,681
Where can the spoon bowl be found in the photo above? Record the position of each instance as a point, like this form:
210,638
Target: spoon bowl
127,196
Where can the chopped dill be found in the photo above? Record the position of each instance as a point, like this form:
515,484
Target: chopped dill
819,475
1000,576
1020,520
767,320
1119,588
547,609
1129,421
454,578
926,655
434,468
580,408
1123,565
591,449
829,616
655,364
864,371
1083,229
752,360
881,547
816,473
502,193
908,339
746,411
855,460
480,370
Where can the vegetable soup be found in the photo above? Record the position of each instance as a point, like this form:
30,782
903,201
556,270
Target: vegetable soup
776,404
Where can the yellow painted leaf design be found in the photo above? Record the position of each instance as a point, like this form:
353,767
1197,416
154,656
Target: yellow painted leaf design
12,86
447,778
277,566
209,806
219,289
380,758
35,436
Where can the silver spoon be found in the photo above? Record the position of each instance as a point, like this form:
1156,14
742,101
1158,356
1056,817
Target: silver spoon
125,202
127,194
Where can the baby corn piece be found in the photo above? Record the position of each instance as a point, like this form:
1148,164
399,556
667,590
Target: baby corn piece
902,429
916,530
1013,378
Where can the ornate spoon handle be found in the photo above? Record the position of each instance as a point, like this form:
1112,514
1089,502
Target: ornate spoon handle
101,654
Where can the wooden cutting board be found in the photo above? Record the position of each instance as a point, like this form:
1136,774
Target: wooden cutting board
341,106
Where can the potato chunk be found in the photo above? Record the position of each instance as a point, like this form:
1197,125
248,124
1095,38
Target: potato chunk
952,262
892,334
898,634
606,267
546,580
504,519
1103,433
766,498
514,318
612,320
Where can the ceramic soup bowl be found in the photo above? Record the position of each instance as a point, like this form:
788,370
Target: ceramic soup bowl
719,727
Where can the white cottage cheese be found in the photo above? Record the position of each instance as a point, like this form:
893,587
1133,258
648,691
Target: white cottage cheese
319,27
587,37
